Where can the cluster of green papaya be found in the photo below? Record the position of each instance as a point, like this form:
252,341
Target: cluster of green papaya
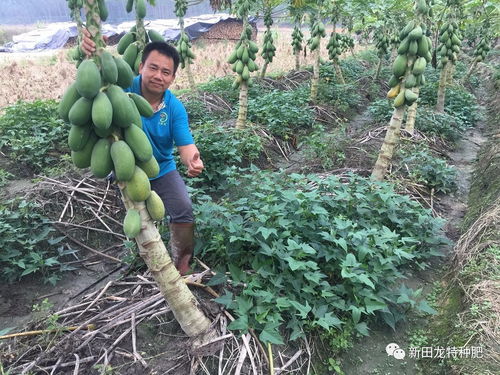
184,48
243,57
140,7
414,53
382,43
268,48
334,47
450,42
481,50
181,7
129,47
345,41
297,38
106,131
394,40
317,32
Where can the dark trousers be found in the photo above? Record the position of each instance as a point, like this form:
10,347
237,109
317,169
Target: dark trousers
173,192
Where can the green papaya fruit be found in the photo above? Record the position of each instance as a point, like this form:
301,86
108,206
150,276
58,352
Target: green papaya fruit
81,158
132,223
150,167
108,67
100,161
88,79
139,143
123,160
69,98
155,206
143,105
138,188
102,111
80,112
78,137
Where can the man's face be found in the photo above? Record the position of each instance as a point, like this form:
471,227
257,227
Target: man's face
157,73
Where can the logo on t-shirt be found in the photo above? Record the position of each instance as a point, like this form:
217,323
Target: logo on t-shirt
163,118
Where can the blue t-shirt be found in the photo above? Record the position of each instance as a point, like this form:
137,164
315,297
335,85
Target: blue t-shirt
167,126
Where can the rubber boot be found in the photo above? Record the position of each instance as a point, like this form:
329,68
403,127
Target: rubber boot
182,245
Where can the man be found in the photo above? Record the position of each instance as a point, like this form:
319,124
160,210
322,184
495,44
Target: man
167,126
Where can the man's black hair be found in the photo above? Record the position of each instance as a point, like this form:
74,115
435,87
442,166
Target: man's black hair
165,49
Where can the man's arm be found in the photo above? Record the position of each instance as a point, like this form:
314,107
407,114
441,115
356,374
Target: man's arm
190,157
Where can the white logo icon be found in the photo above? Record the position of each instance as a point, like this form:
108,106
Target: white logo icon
394,350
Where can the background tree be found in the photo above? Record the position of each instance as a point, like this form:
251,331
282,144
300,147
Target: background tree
408,68
184,44
297,35
243,58
317,32
448,49
268,48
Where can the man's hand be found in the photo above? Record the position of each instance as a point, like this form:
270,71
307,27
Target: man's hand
87,45
190,157
195,166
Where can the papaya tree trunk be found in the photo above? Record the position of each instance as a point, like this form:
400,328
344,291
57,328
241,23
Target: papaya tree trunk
469,73
297,61
189,73
339,73
449,75
178,296
390,141
442,89
190,76
379,68
315,77
263,72
412,114
392,135
243,103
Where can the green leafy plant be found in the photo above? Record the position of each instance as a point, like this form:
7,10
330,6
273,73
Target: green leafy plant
440,124
326,148
5,176
223,148
381,110
429,170
28,244
283,113
32,133
314,253
343,98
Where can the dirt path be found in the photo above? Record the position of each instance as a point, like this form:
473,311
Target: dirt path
368,356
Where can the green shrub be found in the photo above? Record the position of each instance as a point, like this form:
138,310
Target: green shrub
314,253
381,110
440,124
28,243
222,147
429,170
459,103
282,112
222,87
32,133
343,98
327,148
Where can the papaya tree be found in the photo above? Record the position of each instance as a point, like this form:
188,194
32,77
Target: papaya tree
336,44
297,36
268,48
408,68
480,52
382,42
412,109
448,50
243,59
184,44
105,135
317,32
